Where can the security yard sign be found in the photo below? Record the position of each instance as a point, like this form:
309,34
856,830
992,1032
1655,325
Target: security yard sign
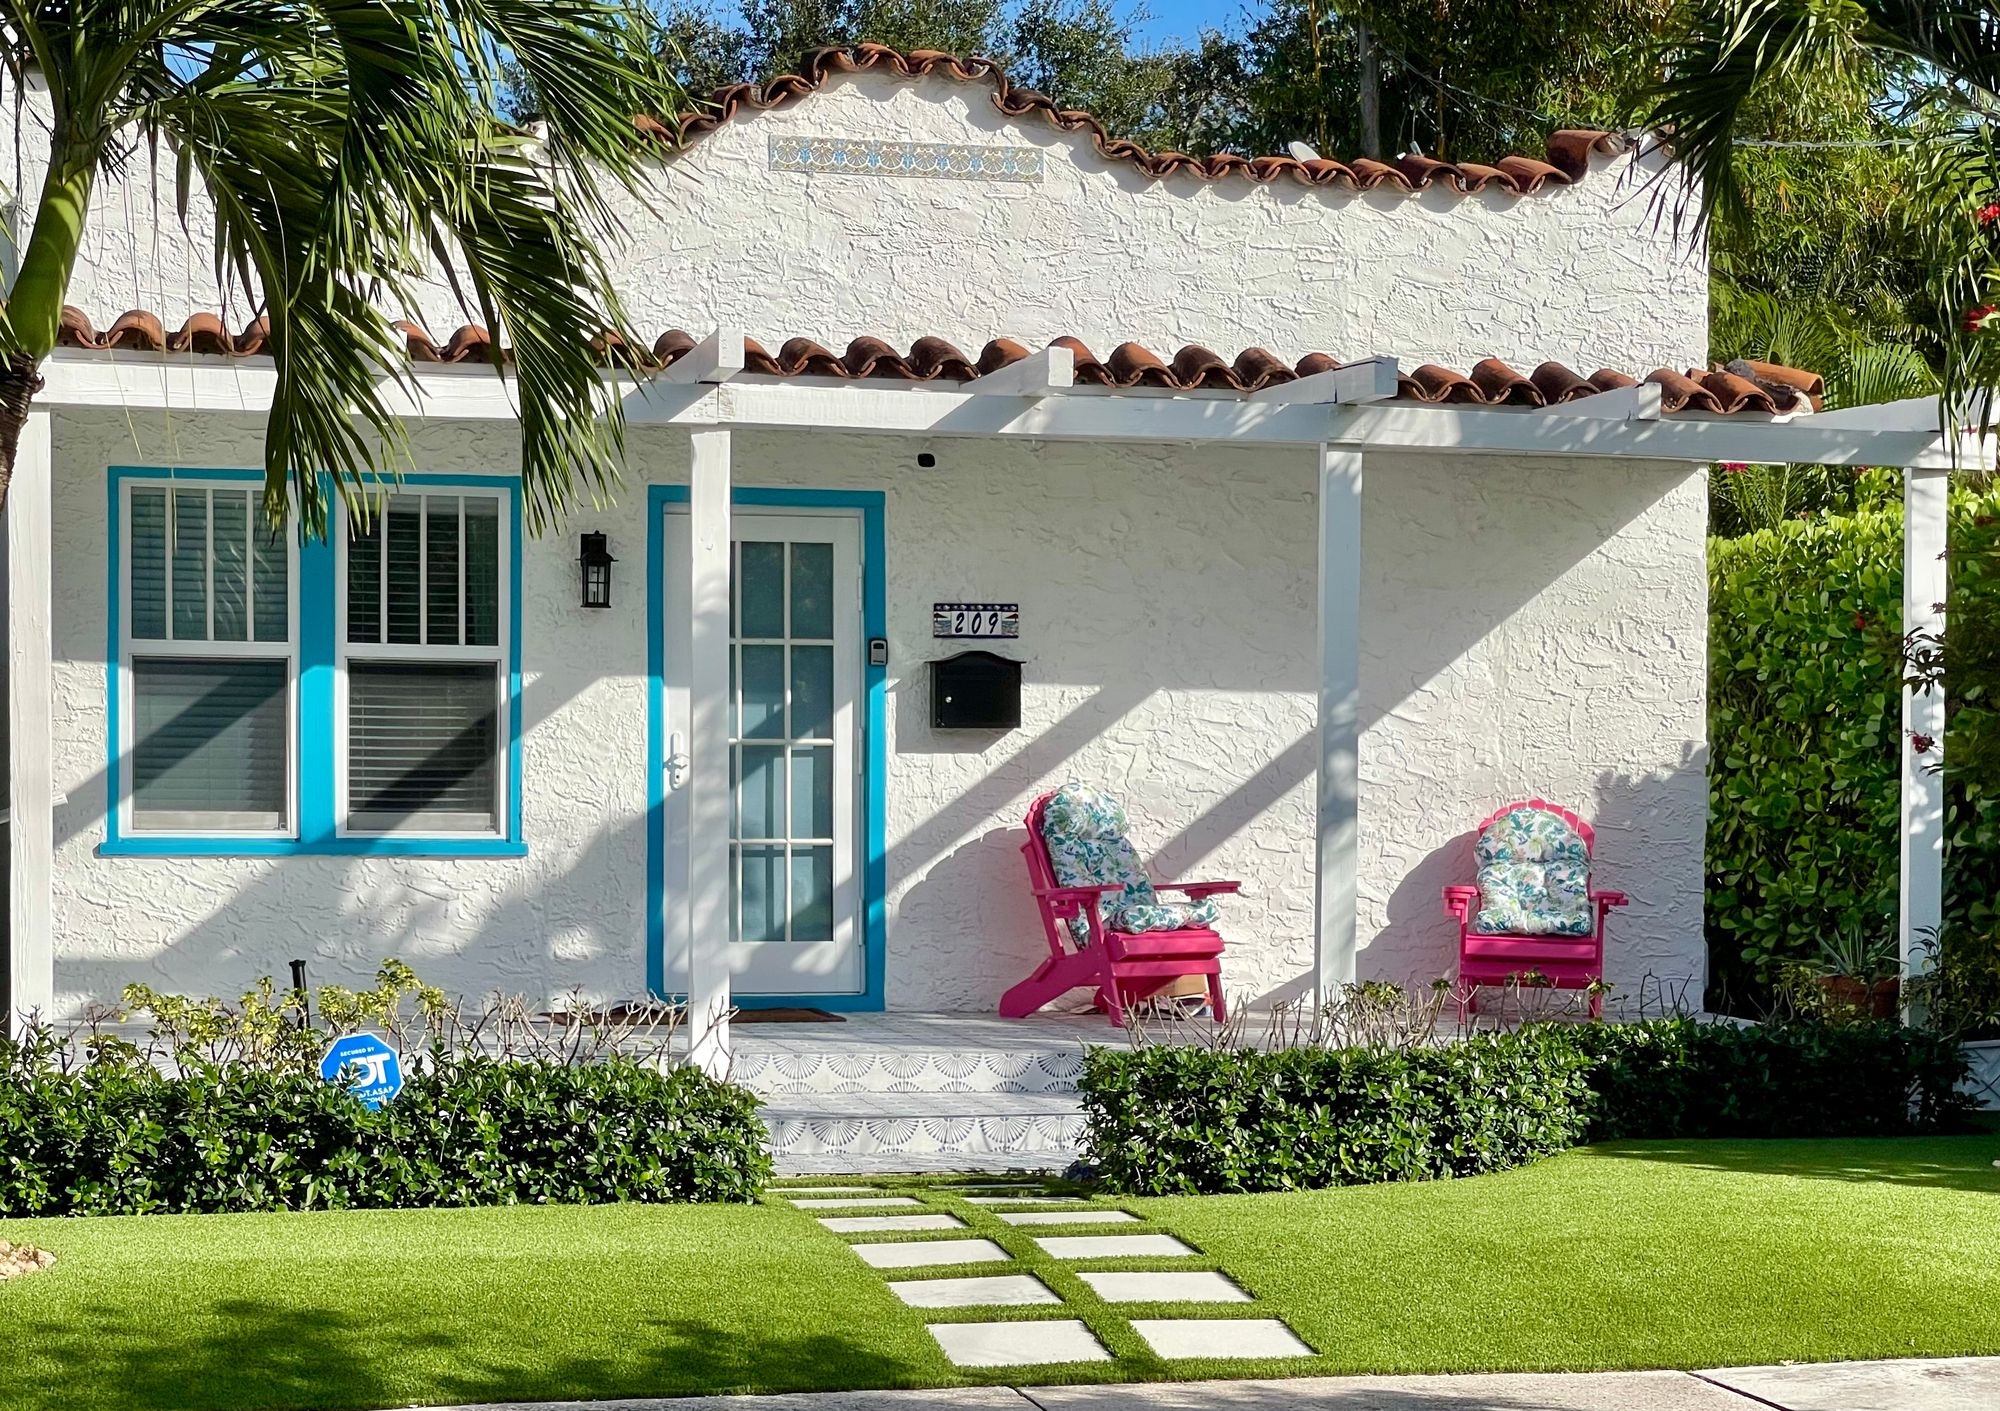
374,1072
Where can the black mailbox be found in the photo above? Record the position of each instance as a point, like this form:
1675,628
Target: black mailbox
976,691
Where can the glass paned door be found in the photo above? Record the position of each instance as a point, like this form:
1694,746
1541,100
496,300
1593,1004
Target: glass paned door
793,713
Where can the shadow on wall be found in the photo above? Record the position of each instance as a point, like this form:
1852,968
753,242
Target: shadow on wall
1658,935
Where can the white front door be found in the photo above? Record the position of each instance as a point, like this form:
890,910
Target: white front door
794,750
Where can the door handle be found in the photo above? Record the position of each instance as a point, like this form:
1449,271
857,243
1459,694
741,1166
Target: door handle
677,761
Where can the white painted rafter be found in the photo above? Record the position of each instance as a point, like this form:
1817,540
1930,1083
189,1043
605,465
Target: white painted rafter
717,358
1370,380
1637,403
1037,375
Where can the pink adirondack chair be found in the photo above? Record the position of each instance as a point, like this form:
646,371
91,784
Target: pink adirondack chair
1113,932
1533,909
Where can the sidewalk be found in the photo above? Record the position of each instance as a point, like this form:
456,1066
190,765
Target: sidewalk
1919,1384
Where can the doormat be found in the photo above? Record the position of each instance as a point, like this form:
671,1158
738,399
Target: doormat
785,1016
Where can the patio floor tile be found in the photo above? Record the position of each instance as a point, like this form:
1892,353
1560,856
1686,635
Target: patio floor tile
879,1224
992,1291
1068,1217
794,1192
1111,1246
1024,1199
1018,1344
1170,1286
917,1253
880,1202
1220,1337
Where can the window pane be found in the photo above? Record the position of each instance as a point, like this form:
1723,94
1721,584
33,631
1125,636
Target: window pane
272,561
763,894
441,553
812,792
812,894
812,590
763,693
812,693
404,524
364,581
191,565
421,745
762,567
208,744
149,564
232,570
761,796
482,571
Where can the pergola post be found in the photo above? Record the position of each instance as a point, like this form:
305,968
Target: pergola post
1337,787
1925,498
31,978
708,752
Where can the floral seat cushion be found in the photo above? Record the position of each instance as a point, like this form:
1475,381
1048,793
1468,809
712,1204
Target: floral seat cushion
1084,829
1534,876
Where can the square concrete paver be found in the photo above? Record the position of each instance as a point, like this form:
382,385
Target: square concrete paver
1024,1200
917,1253
880,1202
1111,1246
879,1224
1029,1344
792,1191
992,1291
1170,1286
1068,1217
1220,1337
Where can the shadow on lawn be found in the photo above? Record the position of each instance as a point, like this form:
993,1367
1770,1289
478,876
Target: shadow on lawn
280,1357
1962,1163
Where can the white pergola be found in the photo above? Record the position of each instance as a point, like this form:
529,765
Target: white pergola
1337,418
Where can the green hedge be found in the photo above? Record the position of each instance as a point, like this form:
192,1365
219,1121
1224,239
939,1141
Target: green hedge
1168,1120
1806,745
120,1137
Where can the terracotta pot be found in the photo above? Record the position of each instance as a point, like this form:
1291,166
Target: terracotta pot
1876,999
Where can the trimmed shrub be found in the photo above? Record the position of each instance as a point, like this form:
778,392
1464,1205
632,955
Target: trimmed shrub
120,1137
1169,1120
1805,681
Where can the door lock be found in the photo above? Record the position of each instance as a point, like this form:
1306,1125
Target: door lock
677,761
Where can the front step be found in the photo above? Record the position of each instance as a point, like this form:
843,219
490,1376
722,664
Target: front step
901,1131
779,1075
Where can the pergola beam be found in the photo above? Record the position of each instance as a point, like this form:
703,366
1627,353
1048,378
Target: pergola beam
1039,374
715,359
1640,402
1370,380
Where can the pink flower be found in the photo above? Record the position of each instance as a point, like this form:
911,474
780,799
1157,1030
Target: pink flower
1861,622
1733,467
1989,213
1980,319
1921,743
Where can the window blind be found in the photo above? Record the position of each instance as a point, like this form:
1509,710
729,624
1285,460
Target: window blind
209,740
422,743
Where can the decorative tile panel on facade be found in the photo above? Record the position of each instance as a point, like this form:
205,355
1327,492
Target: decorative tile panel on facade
413,742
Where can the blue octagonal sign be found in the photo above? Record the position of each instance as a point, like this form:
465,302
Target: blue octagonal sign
374,1072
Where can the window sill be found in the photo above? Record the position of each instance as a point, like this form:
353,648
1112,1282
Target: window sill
323,847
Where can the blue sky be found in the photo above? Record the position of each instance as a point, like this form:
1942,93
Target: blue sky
1184,19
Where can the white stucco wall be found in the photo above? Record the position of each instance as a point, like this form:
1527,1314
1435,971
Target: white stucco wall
1527,627
1586,274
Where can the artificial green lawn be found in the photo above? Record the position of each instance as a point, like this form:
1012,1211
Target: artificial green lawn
1633,1255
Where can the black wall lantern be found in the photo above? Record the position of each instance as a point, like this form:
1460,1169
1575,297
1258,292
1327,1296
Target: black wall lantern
596,560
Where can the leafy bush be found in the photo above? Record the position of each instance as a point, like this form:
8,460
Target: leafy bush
1165,1120
1805,679
121,1136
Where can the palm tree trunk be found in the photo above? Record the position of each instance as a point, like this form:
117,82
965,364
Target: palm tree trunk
19,382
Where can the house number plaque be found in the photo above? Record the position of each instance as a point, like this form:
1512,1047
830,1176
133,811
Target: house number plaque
975,619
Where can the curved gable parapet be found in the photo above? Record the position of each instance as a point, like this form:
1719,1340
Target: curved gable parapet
1566,160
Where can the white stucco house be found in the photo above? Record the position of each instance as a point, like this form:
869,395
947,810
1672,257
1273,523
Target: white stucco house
1423,534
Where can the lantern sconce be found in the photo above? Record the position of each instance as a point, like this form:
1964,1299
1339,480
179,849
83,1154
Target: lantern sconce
596,562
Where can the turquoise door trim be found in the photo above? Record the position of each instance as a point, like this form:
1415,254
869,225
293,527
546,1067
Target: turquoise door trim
313,747
875,695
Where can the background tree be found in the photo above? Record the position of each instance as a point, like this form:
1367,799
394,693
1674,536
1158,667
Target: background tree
345,144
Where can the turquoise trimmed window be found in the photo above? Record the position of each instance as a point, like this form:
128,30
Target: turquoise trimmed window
271,697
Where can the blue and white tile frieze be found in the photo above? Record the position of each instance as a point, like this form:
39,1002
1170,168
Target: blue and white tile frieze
870,156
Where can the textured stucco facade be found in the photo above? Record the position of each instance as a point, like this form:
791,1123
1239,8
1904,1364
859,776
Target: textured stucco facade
1528,626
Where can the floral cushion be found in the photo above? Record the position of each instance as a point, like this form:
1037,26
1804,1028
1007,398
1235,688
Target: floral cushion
1534,876
1084,829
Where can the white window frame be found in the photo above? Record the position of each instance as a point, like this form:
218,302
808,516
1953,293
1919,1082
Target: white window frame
499,655
170,648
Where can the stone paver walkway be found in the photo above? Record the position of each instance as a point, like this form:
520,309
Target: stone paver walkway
928,1271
